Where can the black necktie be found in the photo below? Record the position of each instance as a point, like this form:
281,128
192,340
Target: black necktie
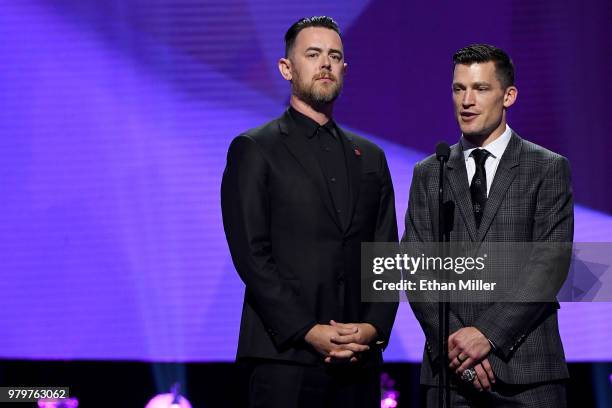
478,188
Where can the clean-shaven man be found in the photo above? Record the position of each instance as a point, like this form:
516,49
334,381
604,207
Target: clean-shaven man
504,189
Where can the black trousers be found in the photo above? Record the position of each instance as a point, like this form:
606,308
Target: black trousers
273,384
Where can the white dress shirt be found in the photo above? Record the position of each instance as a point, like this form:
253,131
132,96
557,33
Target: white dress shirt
496,148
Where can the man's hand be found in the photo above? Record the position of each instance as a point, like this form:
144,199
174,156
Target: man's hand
485,377
353,335
466,348
321,337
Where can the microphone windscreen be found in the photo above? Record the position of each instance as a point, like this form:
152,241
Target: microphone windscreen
442,151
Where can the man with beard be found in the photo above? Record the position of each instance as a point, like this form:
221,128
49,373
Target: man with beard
299,196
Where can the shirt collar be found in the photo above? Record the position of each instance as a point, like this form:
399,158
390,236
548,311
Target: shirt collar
496,147
308,126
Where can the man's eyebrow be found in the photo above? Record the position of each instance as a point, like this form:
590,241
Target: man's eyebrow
331,50
473,85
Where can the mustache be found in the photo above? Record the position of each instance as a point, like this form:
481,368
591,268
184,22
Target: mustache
327,75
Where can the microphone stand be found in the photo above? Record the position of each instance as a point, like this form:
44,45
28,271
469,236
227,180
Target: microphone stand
442,154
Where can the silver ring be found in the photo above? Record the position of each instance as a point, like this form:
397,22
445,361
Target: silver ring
468,375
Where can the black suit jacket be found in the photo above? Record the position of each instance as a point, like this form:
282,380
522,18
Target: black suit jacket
287,244
530,201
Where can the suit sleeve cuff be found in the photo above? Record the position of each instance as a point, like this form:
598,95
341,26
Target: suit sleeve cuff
381,340
301,334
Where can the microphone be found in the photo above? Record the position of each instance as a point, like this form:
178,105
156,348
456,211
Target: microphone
442,151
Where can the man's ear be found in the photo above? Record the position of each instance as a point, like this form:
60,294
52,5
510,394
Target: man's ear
284,66
510,96
345,68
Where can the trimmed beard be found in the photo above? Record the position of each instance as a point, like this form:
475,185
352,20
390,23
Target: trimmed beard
312,96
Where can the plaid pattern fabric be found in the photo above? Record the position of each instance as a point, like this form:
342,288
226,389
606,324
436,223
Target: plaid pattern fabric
530,200
543,395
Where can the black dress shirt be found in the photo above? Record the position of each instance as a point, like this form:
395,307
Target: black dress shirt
328,146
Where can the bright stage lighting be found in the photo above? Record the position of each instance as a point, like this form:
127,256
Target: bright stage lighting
172,399
59,403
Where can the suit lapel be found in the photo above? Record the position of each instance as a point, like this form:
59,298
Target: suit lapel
306,158
353,163
458,180
505,174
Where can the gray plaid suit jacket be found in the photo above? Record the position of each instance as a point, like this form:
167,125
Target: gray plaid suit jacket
530,200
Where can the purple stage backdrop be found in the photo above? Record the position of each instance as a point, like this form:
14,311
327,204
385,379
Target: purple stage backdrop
115,118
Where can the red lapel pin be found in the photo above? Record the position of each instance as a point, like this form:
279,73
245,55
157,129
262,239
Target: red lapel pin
357,151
